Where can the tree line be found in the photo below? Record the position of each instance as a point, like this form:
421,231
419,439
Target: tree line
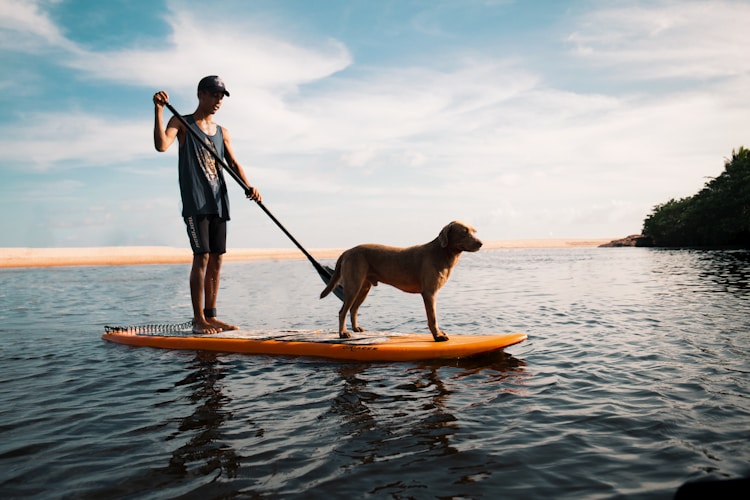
717,216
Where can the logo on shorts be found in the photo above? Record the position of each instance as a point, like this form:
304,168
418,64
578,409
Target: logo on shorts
193,232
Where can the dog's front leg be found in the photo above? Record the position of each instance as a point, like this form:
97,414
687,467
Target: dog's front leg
429,306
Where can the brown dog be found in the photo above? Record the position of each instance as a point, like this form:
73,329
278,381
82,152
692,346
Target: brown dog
419,269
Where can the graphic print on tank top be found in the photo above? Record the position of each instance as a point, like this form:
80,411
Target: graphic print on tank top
201,181
208,164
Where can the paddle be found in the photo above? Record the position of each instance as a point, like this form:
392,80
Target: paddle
325,272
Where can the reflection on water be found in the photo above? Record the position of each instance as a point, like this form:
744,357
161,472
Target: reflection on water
729,270
396,419
205,451
634,379
400,419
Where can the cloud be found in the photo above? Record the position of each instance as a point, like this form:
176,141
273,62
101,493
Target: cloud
301,103
391,104
46,140
25,27
680,39
237,50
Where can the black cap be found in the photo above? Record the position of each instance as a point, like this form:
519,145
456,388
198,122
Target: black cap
213,84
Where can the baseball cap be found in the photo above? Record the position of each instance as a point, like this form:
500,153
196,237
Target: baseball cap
213,84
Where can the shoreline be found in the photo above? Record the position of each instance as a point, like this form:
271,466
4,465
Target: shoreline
129,256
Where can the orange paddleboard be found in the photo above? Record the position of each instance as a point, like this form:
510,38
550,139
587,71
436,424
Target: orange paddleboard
366,346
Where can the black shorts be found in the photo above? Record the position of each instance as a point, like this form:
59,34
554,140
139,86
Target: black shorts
207,233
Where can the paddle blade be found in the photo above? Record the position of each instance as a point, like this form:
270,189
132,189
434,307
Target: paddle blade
326,273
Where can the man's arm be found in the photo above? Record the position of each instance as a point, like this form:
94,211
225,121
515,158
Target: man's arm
253,194
164,136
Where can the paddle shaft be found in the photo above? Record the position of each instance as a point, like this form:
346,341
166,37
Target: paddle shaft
236,176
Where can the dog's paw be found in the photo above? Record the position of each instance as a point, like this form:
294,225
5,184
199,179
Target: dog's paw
345,335
441,337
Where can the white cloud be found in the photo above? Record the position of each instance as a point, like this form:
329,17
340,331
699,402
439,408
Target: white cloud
46,139
245,57
25,27
674,39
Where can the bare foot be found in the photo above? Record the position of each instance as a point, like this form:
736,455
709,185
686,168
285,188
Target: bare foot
220,325
204,328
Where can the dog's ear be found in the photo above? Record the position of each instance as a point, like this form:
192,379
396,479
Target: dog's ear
443,236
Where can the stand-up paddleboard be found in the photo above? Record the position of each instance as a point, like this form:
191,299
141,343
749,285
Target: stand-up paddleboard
366,346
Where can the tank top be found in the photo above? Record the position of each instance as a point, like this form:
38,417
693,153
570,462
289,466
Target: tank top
202,185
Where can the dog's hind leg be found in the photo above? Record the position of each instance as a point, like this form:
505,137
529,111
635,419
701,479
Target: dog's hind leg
361,296
353,298
343,332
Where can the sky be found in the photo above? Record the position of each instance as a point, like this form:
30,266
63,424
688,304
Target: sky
369,121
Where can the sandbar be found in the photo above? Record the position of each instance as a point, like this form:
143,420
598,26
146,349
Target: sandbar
142,255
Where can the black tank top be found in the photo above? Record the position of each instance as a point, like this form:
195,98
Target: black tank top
202,185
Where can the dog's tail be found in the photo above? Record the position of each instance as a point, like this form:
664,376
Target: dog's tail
335,277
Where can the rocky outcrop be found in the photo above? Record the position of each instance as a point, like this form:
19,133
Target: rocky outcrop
634,240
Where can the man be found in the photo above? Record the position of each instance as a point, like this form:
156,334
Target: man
205,203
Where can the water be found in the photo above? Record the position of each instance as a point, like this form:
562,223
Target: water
634,379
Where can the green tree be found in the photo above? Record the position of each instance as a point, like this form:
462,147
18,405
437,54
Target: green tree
718,215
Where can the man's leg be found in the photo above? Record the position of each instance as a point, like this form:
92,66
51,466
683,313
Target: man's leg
197,286
213,276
